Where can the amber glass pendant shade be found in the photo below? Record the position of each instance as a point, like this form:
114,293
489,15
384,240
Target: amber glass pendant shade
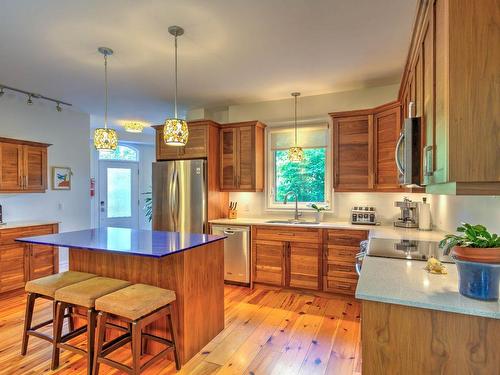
105,139
295,154
175,132
134,127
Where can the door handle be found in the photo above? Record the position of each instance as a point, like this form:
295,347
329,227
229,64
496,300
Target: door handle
396,153
428,170
228,232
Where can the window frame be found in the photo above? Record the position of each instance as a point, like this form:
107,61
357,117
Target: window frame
271,204
126,145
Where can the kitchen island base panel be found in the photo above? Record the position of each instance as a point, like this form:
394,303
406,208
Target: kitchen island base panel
196,276
406,340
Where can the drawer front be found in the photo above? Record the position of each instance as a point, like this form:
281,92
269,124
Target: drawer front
339,285
346,237
344,270
341,253
287,234
8,236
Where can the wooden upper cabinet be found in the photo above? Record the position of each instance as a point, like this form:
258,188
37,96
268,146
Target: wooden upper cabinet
452,40
228,163
196,147
11,167
386,130
23,166
353,151
242,156
35,168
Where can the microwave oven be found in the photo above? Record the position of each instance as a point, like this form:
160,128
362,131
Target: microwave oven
407,154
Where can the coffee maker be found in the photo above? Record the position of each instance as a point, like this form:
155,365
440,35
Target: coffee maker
409,214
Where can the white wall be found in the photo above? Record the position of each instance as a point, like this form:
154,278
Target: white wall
309,107
68,132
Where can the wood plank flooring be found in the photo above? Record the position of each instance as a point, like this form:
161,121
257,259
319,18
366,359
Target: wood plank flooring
267,332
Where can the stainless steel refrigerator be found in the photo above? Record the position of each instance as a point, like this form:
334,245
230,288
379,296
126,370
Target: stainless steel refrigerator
180,196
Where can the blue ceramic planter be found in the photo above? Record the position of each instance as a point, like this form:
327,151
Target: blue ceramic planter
478,280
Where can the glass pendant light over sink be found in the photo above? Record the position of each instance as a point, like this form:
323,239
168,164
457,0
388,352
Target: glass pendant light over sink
175,131
104,138
295,153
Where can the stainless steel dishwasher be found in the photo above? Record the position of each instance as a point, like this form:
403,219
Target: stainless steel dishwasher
236,252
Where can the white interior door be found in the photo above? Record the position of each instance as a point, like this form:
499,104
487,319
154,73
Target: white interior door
118,194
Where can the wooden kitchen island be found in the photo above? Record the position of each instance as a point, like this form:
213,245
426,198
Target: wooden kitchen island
190,264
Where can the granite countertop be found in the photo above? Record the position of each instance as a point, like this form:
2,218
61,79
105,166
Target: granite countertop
30,223
376,231
126,241
406,282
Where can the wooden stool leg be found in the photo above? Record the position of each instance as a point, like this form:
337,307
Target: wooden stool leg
91,317
28,317
100,333
136,347
173,334
71,321
57,333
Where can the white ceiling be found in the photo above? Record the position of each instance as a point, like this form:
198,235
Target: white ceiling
233,51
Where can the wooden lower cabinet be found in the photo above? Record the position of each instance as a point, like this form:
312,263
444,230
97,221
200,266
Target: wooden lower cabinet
13,270
408,340
22,262
303,265
306,258
340,248
269,262
288,257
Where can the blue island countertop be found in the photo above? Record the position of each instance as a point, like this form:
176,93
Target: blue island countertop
126,241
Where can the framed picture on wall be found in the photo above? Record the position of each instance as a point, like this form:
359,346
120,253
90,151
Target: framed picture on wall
61,178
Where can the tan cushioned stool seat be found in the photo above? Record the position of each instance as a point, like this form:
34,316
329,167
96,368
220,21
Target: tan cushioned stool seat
48,285
86,292
135,301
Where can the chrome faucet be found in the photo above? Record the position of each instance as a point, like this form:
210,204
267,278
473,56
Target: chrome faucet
285,201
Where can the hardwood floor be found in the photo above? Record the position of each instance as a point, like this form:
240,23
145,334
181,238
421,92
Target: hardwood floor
267,332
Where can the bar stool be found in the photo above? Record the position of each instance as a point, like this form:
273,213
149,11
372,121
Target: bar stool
82,295
138,305
46,287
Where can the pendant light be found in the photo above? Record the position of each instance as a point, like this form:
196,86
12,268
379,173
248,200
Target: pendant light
175,131
295,153
104,138
134,127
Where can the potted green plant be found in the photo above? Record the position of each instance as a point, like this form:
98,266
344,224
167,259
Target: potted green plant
476,252
318,212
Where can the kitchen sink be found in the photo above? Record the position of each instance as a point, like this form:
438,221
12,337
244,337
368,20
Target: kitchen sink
291,222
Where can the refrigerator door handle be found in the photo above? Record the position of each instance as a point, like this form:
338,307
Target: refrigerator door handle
171,200
176,195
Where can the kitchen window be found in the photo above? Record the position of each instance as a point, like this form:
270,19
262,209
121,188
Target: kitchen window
310,179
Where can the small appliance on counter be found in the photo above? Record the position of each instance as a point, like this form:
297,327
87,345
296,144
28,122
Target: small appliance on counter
364,215
1,216
409,214
406,249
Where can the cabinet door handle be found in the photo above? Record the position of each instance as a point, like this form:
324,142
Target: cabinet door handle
25,181
21,181
344,286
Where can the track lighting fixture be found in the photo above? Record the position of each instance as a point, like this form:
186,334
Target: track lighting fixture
32,95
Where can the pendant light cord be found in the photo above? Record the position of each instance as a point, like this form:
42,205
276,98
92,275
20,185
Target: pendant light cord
295,120
106,90
175,67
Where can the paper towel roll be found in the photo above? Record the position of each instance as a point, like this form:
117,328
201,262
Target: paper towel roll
424,216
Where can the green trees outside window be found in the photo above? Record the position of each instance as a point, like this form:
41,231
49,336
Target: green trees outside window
306,178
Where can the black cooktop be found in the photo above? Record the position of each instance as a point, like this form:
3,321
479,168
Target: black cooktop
406,249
